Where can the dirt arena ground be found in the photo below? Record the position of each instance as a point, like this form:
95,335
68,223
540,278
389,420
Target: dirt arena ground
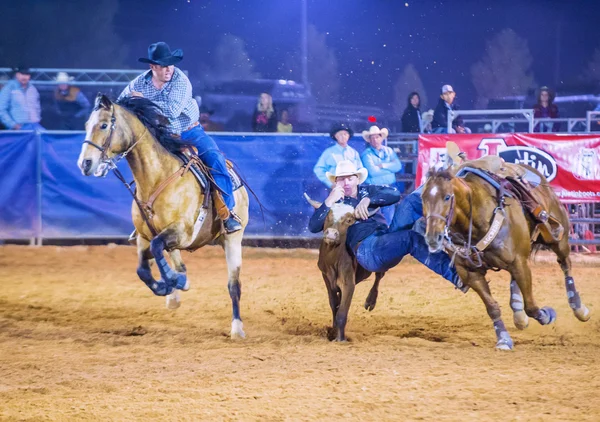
81,338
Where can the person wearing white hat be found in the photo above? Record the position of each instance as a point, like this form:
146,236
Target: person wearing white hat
70,103
375,247
381,162
440,115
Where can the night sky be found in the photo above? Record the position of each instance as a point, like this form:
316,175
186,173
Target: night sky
373,40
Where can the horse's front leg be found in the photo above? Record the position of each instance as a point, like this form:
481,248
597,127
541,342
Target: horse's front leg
168,239
480,286
232,244
144,270
173,299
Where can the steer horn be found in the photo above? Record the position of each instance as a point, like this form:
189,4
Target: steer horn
312,202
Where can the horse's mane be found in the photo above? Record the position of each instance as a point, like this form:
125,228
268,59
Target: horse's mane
152,118
441,173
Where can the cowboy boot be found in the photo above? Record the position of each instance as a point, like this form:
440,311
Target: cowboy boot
231,222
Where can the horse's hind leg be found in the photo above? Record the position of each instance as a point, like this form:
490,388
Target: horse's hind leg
232,244
166,240
521,273
173,299
481,287
373,293
520,318
562,251
144,270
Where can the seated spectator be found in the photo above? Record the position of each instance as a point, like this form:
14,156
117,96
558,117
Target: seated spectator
381,162
71,105
411,118
264,118
440,115
205,121
545,108
20,102
284,126
341,151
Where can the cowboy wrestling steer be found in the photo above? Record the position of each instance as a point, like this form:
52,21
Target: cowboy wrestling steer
346,220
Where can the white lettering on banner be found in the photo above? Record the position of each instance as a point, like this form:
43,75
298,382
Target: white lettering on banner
533,157
492,146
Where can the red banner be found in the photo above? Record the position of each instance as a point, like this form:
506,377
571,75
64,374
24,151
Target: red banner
571,163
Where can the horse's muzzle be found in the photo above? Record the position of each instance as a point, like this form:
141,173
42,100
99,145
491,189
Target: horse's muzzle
86,167
435,242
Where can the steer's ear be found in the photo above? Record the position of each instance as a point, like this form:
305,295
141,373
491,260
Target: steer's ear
312,202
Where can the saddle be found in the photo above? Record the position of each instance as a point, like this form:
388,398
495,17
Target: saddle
201,172
515,181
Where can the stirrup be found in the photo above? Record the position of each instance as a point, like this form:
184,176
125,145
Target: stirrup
233,223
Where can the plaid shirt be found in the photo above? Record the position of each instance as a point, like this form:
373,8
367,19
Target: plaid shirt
19,105
175,99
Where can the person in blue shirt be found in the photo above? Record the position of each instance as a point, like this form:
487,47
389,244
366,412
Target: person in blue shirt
376,247
339,152
20,103
381,162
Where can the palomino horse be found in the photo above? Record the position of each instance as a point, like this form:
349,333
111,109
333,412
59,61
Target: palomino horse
461,213
132,128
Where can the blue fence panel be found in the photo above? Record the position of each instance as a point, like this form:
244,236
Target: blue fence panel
277,168
74,205
18,185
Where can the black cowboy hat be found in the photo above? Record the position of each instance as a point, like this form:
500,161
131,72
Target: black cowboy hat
22,69
340,126
159,53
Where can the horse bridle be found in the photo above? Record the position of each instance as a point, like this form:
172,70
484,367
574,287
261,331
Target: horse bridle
448,218
112,162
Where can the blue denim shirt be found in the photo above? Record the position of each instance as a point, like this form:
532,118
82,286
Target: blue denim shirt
19,105
387,158
329,159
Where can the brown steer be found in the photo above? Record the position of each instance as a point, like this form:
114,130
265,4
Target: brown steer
340,270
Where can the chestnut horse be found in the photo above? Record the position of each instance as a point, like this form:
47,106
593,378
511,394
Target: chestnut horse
460,212
172,217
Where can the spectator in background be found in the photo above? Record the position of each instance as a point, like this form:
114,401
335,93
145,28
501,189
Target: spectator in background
20,102
207,124
284,126
71,105
339,152
545,108
440,114
264,118
426,119
411,118
381,162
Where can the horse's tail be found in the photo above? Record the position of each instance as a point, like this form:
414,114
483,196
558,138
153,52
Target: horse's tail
238,172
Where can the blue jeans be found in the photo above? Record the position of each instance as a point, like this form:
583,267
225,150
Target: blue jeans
381,252
209,153
407,212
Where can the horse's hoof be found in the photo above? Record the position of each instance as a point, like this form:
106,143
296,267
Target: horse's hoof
582,313
173,300
503,346
331,333
181,282
521,320
237,329
551,315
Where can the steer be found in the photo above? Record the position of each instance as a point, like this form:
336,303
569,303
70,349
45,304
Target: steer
340,270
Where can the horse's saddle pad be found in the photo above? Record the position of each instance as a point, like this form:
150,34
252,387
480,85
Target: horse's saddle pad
201,177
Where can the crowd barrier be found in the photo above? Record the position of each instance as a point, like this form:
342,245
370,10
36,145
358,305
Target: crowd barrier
43,194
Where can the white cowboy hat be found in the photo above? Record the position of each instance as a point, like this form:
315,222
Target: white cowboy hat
347,168
374,130
63,78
